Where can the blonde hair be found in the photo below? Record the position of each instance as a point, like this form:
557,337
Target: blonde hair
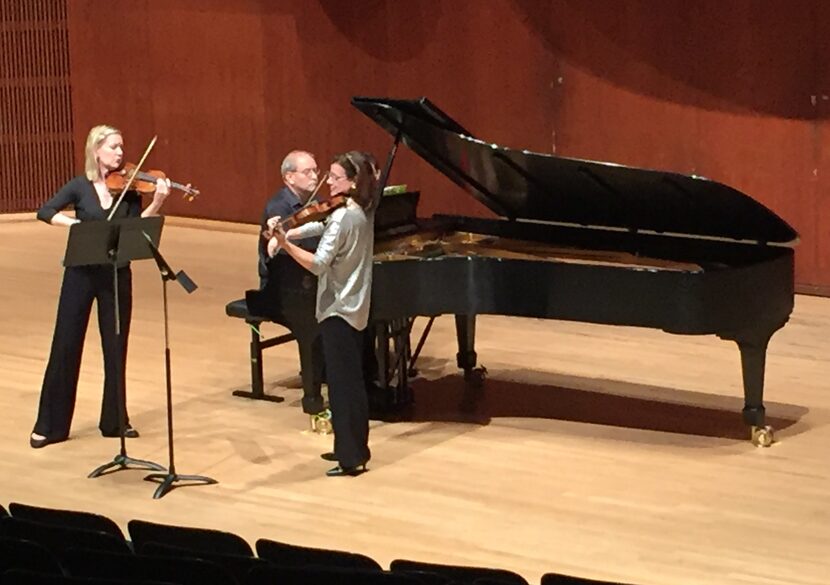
94,140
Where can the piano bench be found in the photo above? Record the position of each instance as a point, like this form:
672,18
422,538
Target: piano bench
239,310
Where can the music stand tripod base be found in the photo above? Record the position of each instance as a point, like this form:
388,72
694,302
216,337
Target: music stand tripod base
122,461
114,243
168,479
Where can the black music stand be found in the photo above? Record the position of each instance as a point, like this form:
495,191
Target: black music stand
114,242
167,479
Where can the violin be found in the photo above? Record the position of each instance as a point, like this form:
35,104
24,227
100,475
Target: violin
144,182
308,214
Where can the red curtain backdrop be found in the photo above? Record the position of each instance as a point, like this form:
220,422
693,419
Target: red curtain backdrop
735,91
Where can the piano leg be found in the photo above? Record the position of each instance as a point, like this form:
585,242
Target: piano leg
379,331
412,371
466,358
389,389
753,347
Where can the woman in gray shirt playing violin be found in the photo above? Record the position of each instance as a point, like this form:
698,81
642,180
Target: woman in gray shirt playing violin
342,263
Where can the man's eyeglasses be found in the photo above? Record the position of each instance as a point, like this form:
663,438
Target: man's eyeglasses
309,172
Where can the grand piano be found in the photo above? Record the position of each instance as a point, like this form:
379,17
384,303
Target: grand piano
577,240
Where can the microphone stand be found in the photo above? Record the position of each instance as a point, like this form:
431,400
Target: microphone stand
168,479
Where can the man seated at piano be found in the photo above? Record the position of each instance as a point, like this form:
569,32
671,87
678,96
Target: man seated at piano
289,291
300,177
343,264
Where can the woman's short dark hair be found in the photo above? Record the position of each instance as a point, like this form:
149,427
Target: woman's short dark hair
359,169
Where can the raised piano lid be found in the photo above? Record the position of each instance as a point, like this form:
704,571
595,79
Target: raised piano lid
528,186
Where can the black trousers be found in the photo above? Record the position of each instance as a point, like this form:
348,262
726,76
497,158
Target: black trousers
343,352
81,285
288,297
298,316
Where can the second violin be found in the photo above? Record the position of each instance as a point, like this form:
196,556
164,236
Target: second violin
314,212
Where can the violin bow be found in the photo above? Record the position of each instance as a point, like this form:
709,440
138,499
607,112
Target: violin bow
319,184
132,176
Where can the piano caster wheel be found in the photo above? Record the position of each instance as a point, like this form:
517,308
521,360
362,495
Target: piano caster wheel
321,423
475,376
762,436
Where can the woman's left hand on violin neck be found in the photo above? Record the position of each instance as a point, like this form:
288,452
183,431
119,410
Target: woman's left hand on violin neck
276,229
159,196
271,225
276,235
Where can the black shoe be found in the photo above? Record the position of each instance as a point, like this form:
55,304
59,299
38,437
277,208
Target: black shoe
129,433
38,443
330,456
351,471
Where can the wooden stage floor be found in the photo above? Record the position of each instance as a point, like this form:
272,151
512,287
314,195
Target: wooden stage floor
611,453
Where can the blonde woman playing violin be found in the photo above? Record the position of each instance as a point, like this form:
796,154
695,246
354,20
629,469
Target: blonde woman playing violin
82,285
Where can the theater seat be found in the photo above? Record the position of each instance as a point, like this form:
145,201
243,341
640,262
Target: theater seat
68,518
292,555
198,539
459,573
